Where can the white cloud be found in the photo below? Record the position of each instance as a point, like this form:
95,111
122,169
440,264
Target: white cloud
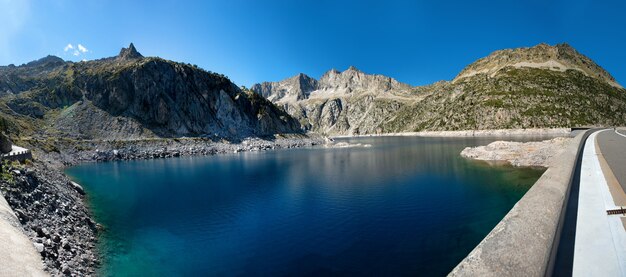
77,51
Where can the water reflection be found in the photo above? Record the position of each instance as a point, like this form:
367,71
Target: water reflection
405,206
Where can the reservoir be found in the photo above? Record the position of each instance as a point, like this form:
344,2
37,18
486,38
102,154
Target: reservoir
389,206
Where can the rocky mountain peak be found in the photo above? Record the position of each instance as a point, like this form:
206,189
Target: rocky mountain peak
355,80
331,72
48,60
129,53
33,69
564,45
302,82
291,89
302,77
560,57
332,83
353,68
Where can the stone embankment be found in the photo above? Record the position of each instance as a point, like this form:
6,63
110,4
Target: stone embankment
522,243
18,255
53,215
529,154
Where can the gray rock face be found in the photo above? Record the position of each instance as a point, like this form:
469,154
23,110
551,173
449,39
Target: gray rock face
297,88
301,86
340,102
354,80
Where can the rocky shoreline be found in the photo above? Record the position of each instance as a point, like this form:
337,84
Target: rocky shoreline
52,209
476,133
520,154
53,215
71,152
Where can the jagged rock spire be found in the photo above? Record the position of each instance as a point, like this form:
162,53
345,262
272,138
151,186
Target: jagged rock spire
129,53
353,68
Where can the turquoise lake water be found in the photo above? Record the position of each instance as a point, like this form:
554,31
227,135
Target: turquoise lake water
406,206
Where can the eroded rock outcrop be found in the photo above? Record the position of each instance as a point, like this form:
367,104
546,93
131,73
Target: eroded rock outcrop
527,154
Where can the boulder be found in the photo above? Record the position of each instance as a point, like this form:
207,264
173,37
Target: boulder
77,187
39,247
5,144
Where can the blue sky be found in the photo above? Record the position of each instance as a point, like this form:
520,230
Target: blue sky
417,42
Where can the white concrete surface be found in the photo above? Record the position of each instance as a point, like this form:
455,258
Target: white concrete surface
600,243
18,256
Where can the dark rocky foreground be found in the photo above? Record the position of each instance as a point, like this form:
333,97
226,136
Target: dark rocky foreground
52,209
54,216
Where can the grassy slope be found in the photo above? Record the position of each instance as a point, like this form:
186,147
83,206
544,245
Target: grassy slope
516,98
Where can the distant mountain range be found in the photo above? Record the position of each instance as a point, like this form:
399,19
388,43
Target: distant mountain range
131,96
536,87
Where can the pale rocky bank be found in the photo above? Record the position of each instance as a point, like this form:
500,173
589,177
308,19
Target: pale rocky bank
475,133
521,154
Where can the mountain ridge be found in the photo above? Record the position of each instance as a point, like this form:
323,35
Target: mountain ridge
302,86
560,57
131,96
532,87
